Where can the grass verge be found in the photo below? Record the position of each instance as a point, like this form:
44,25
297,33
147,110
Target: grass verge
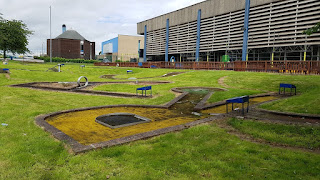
293,135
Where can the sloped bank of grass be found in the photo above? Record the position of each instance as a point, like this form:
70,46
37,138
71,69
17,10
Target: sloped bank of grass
308,89
231,93
293,135
306,103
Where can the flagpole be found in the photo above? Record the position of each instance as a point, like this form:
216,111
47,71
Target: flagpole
50,39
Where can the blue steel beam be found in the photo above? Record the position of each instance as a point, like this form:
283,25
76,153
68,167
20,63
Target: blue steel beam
145,44
167,42
246,31
198,35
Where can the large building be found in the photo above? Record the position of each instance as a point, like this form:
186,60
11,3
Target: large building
71,45
123,48
240,29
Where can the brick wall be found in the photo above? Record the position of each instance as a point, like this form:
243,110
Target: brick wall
55,48
69,48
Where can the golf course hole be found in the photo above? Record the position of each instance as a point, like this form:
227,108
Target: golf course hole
117,120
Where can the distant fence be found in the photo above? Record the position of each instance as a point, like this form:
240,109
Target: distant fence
299,67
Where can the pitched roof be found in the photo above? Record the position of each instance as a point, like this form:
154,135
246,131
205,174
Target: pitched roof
71,34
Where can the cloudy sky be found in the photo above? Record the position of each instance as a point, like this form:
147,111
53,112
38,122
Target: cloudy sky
96,20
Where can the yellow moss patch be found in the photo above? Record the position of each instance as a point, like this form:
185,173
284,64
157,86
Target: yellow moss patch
222,109
82,127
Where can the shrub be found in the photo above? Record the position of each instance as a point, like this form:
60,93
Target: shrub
58,59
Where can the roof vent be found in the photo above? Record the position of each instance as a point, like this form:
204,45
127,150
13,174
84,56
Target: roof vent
64,28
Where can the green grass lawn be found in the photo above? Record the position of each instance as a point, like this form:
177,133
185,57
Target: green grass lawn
202,152
294,135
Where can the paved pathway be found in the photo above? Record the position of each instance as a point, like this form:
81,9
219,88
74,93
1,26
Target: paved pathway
25,60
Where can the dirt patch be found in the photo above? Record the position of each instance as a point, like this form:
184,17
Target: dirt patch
62,85
221,82
7,76
165,75
172,74
107,76
146,83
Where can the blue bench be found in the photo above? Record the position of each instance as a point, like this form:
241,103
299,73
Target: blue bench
153,66
129,71
290,86
144,90
4,70
242,100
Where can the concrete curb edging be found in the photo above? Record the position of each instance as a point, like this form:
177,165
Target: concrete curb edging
202,103
175,100
313,116
289,114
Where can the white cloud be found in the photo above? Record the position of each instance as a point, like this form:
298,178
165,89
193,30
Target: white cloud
96,20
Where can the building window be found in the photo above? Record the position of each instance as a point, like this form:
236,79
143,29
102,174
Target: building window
81,48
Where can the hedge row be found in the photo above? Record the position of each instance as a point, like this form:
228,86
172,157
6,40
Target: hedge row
63,60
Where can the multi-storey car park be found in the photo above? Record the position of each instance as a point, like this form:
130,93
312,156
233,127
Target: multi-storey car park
256,30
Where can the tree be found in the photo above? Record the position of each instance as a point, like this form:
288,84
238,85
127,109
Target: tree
13,36
314,29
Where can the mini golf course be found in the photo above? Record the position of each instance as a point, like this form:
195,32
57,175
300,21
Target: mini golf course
98,127
212,145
